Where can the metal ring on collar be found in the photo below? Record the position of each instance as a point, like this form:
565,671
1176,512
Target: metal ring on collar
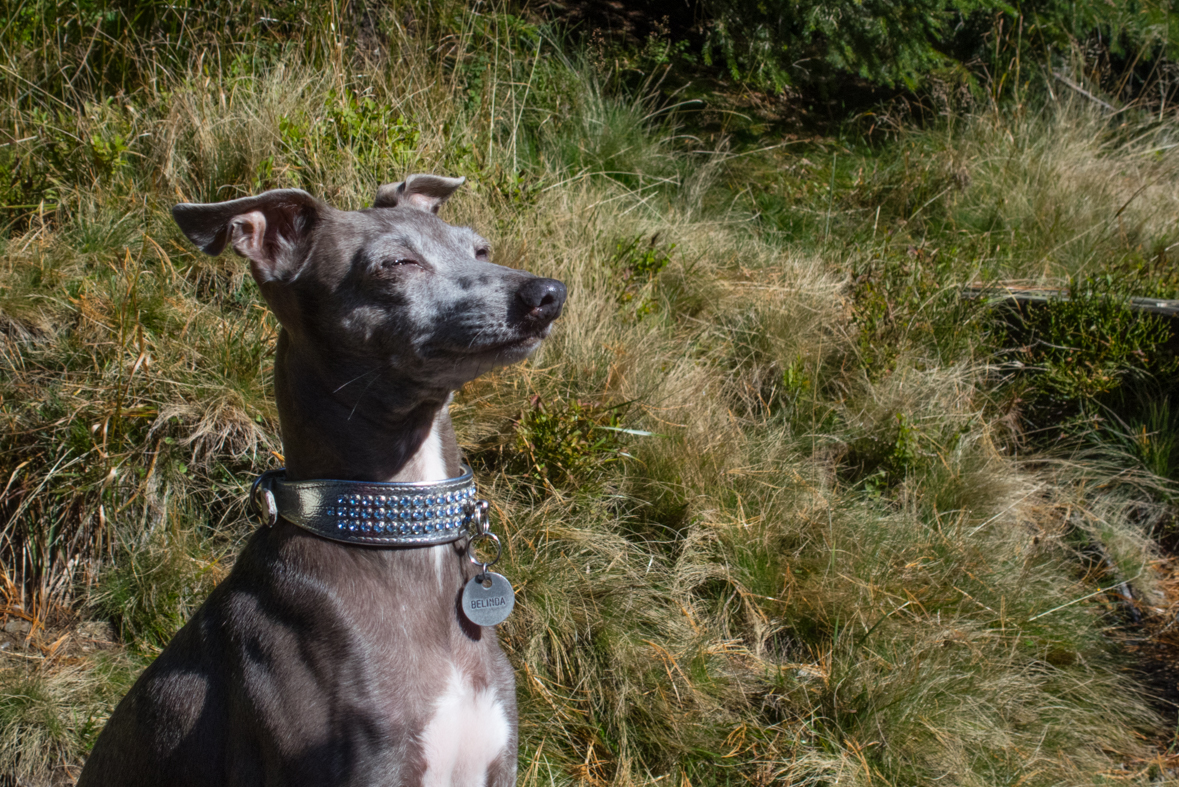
499,549
480,521
262,497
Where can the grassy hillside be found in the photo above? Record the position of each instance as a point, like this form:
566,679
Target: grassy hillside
778,502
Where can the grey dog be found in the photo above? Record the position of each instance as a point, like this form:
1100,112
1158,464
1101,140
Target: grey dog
322,663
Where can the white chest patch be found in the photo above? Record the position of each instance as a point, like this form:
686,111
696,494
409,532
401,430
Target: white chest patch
468,731
431,465
440,554
428,464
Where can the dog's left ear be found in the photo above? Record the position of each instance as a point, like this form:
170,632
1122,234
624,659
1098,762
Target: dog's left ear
424,192
272,229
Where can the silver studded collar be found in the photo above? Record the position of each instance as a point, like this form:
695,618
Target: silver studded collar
376,514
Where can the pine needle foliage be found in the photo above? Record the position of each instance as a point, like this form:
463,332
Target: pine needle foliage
820,47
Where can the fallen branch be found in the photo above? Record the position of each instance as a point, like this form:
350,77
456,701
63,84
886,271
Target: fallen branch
1085,93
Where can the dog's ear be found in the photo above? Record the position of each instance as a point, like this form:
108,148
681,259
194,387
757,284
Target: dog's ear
270,229
424,192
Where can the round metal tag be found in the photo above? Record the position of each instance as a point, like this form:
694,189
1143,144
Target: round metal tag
488,606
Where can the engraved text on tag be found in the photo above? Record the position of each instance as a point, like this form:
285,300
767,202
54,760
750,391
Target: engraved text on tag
488,599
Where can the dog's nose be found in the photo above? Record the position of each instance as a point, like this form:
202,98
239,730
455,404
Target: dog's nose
543,298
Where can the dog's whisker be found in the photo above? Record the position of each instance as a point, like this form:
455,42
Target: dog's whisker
352,412
357,377
475,338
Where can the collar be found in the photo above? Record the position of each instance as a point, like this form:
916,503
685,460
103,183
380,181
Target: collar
395,513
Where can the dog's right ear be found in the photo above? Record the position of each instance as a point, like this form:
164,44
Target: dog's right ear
424,192
270,229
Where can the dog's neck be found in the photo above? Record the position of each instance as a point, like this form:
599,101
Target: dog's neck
344,422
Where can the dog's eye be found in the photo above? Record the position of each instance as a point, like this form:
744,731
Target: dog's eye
482,253
398,261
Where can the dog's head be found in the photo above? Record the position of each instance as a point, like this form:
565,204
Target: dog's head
390,284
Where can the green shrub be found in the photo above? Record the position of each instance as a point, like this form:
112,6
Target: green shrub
566,442
1082,353
908,299
639,261
892,43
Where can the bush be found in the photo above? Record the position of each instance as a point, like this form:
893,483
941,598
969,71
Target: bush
898,44
1081,353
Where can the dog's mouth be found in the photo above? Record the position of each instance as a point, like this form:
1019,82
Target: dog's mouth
457,363
524,339
497,350
519,346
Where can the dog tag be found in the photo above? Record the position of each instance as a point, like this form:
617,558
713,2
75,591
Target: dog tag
488,599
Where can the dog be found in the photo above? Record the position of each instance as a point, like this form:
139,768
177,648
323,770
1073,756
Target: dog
345,658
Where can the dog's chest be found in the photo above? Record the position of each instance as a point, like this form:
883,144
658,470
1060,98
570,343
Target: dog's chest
467,731
448,683
444,689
